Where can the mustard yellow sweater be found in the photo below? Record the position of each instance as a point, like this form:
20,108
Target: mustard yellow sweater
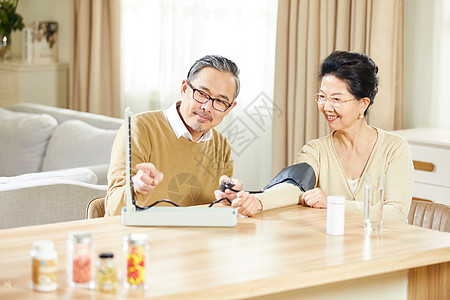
391,156
191,170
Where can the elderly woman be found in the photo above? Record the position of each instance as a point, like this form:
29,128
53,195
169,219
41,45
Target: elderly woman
339,161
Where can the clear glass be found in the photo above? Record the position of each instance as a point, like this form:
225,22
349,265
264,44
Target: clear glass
80,253
373,202
5,47
136,254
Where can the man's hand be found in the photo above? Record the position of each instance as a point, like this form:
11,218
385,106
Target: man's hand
245,203
147,178
315,198
229,194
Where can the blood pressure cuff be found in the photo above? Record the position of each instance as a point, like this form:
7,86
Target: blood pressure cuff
301,175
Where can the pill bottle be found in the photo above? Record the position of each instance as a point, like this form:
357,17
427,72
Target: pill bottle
106,279
43,266
335,215
136,253
79,264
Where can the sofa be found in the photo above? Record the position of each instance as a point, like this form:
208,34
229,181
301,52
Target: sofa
53,162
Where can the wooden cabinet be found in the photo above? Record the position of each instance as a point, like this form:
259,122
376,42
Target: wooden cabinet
44,83
430,150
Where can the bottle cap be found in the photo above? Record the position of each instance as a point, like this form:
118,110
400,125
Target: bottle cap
136,238
339,200
106,255
43,245
81,237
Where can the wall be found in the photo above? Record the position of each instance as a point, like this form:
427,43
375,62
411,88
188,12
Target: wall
45,10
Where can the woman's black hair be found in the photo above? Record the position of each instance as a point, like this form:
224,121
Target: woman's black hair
357,70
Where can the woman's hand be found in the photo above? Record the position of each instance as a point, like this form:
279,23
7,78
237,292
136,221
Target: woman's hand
314,198
246,204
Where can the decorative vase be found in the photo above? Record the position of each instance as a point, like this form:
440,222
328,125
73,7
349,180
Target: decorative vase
5,47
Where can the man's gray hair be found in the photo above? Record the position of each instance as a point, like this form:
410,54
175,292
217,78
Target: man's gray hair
219,63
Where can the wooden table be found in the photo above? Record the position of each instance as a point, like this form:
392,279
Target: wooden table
279,254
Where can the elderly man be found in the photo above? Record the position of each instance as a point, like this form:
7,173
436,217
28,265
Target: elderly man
176,153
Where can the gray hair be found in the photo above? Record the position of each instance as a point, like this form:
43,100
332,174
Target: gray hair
219,63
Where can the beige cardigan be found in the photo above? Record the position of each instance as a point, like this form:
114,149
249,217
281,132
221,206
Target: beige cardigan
391,156
191,170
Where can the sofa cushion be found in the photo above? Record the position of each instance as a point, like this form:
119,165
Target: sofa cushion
75,143
23,138
62,114
77,174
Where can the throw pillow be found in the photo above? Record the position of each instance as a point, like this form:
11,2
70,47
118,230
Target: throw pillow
23,139
77,174
76,143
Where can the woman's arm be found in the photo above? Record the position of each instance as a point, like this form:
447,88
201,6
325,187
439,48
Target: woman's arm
398,184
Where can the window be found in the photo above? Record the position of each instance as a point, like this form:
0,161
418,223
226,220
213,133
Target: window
441,97
427,44
161,39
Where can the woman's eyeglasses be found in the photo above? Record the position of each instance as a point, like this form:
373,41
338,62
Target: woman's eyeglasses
335,102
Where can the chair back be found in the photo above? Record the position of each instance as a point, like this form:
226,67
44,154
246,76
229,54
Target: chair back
429,215
96,208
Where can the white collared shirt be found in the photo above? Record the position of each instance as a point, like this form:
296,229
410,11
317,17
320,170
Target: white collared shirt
178,126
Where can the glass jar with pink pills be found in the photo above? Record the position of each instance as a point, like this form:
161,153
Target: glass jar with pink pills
80,260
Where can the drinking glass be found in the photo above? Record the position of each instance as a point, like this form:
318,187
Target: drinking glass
373,202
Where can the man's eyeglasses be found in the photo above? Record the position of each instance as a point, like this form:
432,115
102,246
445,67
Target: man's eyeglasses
202,97
335,102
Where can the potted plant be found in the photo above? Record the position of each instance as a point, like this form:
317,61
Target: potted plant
9,21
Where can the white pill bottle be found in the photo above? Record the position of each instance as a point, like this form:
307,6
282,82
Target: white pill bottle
335,215
43,266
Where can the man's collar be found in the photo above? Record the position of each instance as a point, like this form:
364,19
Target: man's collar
178,126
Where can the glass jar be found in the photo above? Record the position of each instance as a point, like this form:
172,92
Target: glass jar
5,47
79,269
44,269
136,261
106,279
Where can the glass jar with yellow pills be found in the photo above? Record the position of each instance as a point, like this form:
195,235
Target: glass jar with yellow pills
136,265
106,279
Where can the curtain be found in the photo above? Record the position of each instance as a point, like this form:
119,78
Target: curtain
307,32
95,57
